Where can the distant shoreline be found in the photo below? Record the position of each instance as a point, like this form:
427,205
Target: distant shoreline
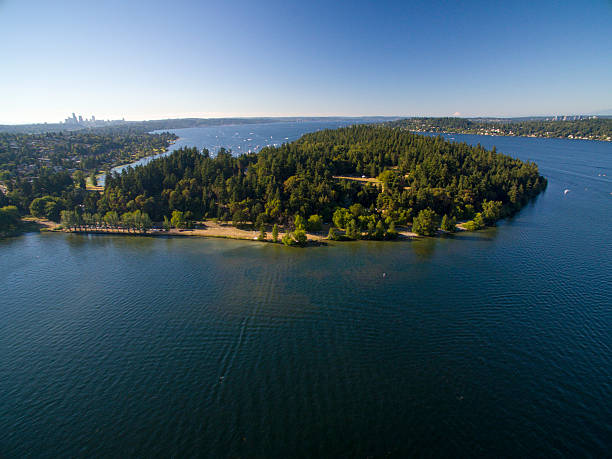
501,134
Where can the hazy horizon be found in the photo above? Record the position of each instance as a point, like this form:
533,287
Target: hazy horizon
146,61
162,118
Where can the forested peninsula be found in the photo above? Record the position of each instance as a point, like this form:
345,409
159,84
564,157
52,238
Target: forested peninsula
591,128
364,182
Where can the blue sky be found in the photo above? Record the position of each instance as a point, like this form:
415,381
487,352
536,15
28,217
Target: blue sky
157,59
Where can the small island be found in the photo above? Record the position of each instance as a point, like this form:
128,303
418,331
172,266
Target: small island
361,182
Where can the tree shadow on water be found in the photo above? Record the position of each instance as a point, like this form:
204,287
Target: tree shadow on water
424,248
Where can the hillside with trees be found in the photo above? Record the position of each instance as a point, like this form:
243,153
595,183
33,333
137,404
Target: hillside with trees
419,180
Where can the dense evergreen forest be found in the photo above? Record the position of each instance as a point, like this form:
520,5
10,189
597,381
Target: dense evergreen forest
590,129
363,180
422,180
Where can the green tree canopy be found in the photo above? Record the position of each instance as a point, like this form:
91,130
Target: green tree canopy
448,224
275,233
315,223
178,219
9,219
425,223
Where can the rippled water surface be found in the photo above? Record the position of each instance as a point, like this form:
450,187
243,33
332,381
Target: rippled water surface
486,344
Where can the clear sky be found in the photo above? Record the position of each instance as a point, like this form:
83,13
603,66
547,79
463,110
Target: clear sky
157,59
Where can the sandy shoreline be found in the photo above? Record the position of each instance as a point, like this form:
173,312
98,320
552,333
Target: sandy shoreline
205,229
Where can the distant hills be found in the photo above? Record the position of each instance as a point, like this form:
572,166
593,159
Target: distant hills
432,124
177,123
567,127
607,113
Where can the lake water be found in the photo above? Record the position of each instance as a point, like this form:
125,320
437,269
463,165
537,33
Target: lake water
241,138
491,344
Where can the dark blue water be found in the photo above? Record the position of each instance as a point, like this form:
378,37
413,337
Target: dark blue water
495,343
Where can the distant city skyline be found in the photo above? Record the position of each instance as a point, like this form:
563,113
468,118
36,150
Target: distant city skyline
74,120
146,60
